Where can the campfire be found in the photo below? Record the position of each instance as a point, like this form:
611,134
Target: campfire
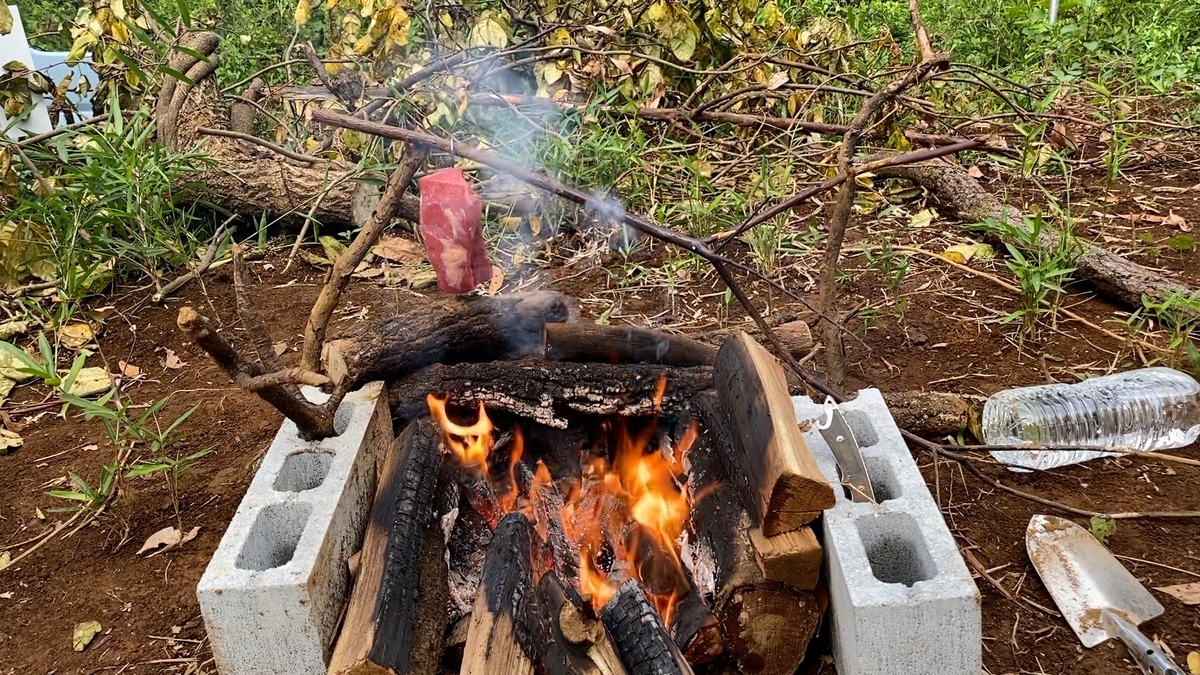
630,540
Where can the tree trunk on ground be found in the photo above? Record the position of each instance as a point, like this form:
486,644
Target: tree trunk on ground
1118,278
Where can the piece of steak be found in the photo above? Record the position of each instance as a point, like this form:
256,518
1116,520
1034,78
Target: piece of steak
451,224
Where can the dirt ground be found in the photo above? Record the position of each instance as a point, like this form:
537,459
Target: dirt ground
940,330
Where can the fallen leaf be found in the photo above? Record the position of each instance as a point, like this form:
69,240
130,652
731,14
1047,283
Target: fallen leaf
962,253
422,280
166,539
1194,662
497,280
975,172
9,441
76,335
6,387
1061,136
777,80
923,218
1188,594
9,368
1176,220
5,559
84,632
90,381
11,329
129,370
314,259
6,20
279,348
37,512
172,361
401,250
333,248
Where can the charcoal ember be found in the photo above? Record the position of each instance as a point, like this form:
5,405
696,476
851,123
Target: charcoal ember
451,225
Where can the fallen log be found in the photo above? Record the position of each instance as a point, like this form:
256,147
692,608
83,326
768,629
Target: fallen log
640,637
769,461
483,329
573,639
933,414
395,619
766,625
587,342
1113,275
500,639
549,392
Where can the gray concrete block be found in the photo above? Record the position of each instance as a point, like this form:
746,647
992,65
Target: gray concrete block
274,589
903,600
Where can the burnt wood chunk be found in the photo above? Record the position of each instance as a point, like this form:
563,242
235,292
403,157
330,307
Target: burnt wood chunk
778,480
589,342
766,625
549,392
638,632
695,629
501,636
477,330
389,624
573,640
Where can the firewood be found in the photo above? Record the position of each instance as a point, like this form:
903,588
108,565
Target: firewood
589,342
548,392
792,557
766,625
769,461
482,329
467,547
934,414
695,629
573,639
500,639
395,619
640,637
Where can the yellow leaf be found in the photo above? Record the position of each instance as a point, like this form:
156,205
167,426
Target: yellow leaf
962,253
9,440
446,20
1194,662
489,32
90,381
330,4
117,7
76,335
303,11
398,29
561,37
5,559
923,218
683,43
84,632
657,12
6,19
549,72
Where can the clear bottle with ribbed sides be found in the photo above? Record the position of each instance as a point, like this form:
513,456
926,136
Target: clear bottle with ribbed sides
1146,409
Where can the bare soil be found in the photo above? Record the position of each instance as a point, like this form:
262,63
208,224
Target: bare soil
939,330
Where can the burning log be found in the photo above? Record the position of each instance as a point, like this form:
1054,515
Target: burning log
499,639
769,461
765,624
396,617
467,551
696,631
546,392
574,640
589,342
640,637
486,329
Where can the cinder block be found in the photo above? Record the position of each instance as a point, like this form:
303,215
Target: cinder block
903,600
273,591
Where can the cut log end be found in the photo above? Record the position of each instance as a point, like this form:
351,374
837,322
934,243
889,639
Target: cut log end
781,619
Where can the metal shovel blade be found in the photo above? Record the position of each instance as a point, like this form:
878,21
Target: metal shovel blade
1085,579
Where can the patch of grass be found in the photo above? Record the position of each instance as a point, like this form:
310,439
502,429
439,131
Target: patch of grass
1041,273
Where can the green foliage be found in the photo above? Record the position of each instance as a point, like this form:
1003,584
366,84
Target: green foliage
885,259
1180,314
1041,272
87,497
1103,528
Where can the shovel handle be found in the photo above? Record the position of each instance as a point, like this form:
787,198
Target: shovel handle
1151,659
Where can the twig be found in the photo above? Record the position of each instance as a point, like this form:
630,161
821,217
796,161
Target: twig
47,188
258,332
343,267
209,255
307,160
559,189
38,138
304,228
33,288
1157,564
314,62
1031,447
287,376
57,528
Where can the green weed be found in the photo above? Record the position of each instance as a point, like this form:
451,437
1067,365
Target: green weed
1041,273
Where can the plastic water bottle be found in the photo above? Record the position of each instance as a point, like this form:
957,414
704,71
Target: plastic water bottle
1147,409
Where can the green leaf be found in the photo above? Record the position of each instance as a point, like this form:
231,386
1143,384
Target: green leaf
683,43
140,470
185,12
1102,528
83,634
67,494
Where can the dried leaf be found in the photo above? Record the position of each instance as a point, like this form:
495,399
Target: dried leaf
1061,137
303,11
166,539
1188,594
777,80
962,253
6,387
76,335
5,559
314,259
399,249
84,632
923,218
497,280
279,348
6,19
9,369
129,370
1175,220
9,441
90,381
975,172
173,361
11,329
1194,662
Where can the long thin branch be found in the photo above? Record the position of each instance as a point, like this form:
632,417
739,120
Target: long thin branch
339,276
308,161
210,254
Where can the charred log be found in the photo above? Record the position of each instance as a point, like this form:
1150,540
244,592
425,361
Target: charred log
640,637
501,636
394,622
588,342
573,639
549,392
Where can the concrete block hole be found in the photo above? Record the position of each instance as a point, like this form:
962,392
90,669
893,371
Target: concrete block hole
883,480
896,549
860,425
273,537
303,470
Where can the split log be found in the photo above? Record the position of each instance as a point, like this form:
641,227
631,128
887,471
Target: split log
483,329
769,461
1113,275
548,392
639,634
766,625
934,414
695,629
395,619
573,639
500,639
793,558
586,342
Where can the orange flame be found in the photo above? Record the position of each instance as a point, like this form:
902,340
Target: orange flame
471,444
